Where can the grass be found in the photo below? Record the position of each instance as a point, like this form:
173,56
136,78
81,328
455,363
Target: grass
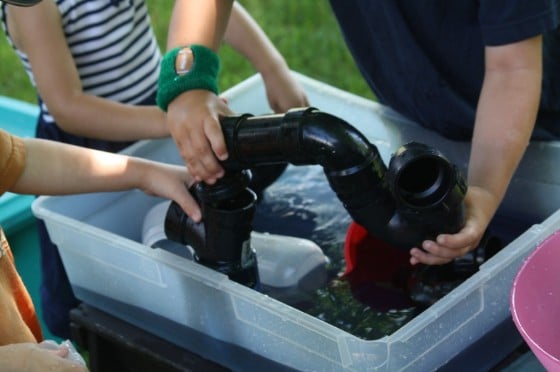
305,32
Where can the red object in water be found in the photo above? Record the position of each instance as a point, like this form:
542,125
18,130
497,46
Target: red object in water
377,272
535,302
363,252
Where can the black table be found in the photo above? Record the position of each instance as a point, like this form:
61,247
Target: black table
116,345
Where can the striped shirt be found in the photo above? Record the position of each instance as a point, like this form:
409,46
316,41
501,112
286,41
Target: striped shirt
113,45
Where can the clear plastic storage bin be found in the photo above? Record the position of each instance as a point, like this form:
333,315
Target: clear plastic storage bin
194,307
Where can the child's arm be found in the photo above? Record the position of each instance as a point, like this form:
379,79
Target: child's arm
54,168
505,118
192,116
37,31
245,36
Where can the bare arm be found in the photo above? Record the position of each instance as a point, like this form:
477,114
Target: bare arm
54,168
246,37
38,32
506,115
198,22
193,116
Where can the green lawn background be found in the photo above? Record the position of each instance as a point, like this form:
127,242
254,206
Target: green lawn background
304,31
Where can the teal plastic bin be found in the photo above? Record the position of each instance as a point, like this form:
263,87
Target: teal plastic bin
16,218
20,119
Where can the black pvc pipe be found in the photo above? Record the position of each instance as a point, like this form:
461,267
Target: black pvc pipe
222,240
419,196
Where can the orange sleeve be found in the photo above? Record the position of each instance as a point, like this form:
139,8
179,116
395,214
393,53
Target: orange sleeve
12,160
18,319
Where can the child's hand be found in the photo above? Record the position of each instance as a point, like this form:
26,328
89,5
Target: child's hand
193,120
479,211
170,182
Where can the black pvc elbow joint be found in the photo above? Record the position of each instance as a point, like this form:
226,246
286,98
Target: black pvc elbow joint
428,193
222,240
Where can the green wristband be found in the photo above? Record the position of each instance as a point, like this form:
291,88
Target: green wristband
203,74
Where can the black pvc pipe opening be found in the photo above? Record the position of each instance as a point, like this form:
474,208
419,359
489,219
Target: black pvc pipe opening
424,182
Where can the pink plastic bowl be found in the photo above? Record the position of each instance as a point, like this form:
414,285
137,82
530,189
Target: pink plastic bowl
535,302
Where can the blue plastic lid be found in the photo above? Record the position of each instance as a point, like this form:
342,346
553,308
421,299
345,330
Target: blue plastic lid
18,117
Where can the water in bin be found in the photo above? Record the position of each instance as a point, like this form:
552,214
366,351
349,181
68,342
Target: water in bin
535,302
311,256
372,290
